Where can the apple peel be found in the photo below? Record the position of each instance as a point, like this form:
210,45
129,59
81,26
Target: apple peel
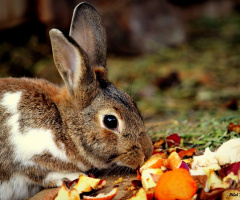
188,152
86,184
235,167
101,196
141,195
148,181
173,161
118,181
173,140
154,162
67,194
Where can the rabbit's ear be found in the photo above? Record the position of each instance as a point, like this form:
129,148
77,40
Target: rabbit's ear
88,31
72,64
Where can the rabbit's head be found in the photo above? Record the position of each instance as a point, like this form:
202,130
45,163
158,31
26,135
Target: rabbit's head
104,124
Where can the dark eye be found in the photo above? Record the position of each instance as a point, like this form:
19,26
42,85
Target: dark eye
110,121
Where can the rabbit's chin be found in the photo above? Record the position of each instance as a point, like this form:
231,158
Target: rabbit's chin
126,165
122,161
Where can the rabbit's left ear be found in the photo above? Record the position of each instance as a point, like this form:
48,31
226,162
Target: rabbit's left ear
72,64
88,31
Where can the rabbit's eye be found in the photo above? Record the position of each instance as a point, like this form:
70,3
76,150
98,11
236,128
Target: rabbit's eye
110,121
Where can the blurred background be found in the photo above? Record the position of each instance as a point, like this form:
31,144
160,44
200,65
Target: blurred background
174,57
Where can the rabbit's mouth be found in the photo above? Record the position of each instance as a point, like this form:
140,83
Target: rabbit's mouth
113,158
123,161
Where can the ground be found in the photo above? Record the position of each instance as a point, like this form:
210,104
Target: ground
122,194
192,89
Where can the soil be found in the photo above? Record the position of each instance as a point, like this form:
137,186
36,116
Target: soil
123,193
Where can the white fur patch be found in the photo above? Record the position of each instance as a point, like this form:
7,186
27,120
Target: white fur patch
33,141
11,100
17,188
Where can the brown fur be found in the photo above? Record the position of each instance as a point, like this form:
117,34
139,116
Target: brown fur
74,112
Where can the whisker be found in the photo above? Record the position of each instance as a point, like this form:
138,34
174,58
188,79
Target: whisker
93,171
109,171
119,158
128,170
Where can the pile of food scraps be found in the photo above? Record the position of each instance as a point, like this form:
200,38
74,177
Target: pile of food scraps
173,173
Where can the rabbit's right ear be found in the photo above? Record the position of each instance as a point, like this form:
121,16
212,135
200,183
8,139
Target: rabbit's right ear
88,31
72,64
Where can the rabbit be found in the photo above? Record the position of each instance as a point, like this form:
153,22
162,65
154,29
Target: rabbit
51,133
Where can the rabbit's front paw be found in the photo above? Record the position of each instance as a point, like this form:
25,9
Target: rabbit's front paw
55,179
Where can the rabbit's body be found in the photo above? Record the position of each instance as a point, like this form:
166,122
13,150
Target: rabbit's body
50,133
31,113
32,151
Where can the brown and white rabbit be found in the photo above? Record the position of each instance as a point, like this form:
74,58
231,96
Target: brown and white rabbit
50,133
